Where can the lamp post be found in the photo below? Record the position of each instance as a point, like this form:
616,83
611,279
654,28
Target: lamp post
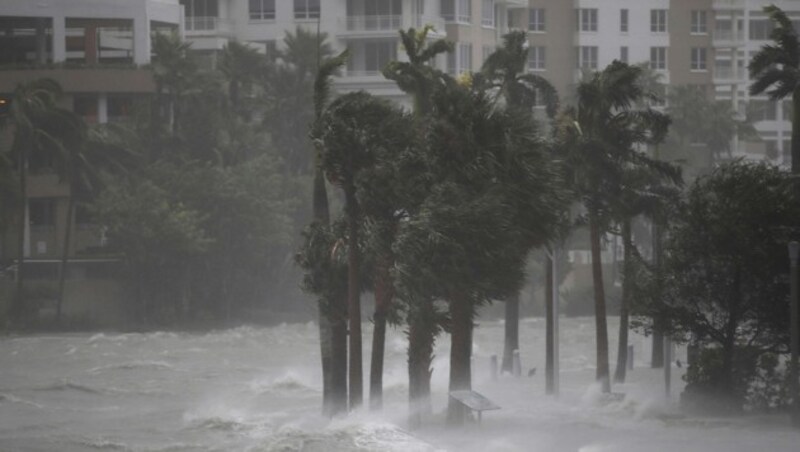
794,251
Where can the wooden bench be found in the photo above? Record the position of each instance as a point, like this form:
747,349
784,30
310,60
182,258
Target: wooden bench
474,402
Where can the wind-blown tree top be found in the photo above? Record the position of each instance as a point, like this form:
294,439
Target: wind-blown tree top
726,270
172,68
775,67
602,132
505,70
491,189
416,76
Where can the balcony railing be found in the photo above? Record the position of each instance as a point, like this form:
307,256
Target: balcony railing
374,23
729,35
200,24
729,73
390,23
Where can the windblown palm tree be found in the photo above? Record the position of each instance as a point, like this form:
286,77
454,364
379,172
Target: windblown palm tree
775,70
601,140
30,103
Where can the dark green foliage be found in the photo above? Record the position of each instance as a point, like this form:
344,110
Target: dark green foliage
726,272
775,70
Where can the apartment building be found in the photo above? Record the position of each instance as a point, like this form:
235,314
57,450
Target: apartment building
367,27
95,50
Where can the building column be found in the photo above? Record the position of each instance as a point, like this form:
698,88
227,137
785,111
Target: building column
102,108
90,48
41,41
141,40
59,39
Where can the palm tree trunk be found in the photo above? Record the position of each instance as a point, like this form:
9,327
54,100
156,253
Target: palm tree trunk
18,306
599,305
356,384
657,354
627,295
796,131
460,354
383,300
62,269
549,300
421,337
511,332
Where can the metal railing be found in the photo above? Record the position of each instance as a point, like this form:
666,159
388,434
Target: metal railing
203,24
728,35
374,23
729,73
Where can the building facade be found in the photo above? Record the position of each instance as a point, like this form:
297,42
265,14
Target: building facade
96,50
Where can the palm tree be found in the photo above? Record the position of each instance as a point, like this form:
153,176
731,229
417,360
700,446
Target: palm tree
332,309
354,127
173,71
647,188
242,66
419,78
776,71
601,144
30,103
81,154
505,72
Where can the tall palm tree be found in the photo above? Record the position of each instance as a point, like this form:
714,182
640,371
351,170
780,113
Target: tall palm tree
647,188
354,127
607,128
332,310
775,70
505,72
242,66
81,154
30,103
173,71
419,78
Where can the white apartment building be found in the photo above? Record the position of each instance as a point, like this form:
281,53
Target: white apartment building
369,28
740,30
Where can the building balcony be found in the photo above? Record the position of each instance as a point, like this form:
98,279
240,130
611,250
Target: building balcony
722,5
205,26
728,38
89,79
376,26
728,75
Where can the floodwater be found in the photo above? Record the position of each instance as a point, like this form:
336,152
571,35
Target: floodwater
259,389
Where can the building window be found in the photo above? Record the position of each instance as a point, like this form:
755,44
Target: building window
760,29
587,19
699,22
262,9
457,11
623,20
658,20
41,212
623,54
487,19
306,9
377,54
201,8
464,57
658,58
536,58
587,57
536,20
698,59
487,50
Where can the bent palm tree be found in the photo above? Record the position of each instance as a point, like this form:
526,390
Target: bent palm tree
776,71
601,145
30,102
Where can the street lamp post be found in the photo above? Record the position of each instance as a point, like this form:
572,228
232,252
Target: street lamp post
794,251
